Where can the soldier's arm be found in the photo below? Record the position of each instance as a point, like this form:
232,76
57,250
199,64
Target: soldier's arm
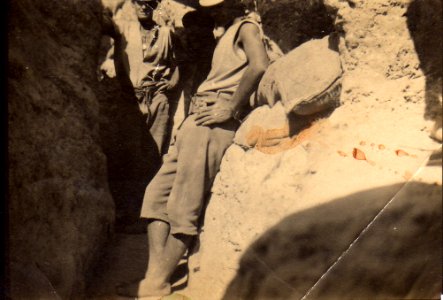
251,41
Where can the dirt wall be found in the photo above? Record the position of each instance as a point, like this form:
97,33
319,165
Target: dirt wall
60,208
398,41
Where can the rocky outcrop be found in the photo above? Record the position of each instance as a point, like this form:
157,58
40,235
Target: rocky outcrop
60,208
395,42
282,213
291,22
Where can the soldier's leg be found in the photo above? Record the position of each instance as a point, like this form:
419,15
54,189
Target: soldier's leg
158,123
200,151
154,209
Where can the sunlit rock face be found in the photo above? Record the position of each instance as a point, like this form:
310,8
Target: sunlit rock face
397,46
60,208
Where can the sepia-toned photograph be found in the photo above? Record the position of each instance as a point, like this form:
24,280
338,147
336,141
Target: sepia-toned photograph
224,150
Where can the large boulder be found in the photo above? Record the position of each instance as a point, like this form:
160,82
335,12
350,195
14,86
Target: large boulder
306,80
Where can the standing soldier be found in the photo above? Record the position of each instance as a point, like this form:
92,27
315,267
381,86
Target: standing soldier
144,52
175,197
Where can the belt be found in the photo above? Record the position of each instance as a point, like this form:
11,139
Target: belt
199,100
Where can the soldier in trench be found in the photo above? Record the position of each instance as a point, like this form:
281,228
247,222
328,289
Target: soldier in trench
175,197
144,52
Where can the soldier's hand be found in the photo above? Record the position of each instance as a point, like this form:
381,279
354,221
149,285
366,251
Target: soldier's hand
162,86
215,114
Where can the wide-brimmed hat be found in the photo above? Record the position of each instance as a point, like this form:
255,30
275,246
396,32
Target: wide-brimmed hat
206,3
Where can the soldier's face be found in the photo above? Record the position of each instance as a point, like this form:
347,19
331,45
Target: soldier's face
144,8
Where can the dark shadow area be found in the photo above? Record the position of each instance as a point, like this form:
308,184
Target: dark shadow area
436,158
30,283
125,260
131,152
191,3
132,157
397,257
425,24
179,279
292,22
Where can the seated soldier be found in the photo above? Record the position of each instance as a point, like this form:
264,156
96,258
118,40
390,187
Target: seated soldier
175,198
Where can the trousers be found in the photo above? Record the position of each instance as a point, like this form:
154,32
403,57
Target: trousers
162,108
176,194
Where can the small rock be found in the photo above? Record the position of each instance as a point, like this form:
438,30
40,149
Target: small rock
400,153
358,154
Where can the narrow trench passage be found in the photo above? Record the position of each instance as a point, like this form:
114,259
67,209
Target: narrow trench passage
132,162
